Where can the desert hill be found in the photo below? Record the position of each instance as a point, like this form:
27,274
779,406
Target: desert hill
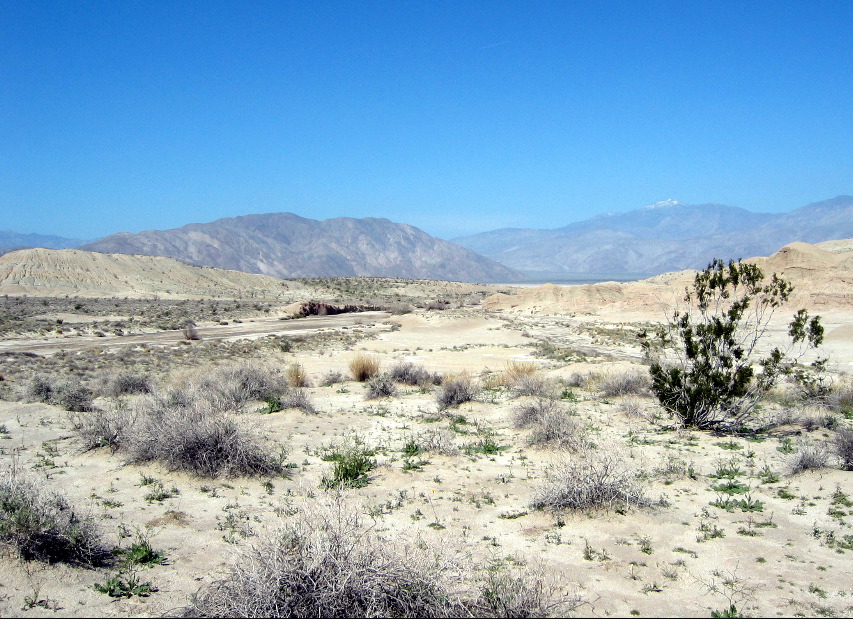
822,276
49,272
286,245
662,237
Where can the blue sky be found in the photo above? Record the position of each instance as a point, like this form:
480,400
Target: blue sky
456,117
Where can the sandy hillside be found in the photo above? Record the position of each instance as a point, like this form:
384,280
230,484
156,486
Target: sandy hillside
822,276
49,272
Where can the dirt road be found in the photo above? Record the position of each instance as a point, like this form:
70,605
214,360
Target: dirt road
250,329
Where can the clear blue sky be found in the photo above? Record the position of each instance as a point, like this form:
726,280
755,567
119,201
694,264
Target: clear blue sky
456,117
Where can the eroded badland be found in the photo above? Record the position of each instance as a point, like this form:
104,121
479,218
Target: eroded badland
756,521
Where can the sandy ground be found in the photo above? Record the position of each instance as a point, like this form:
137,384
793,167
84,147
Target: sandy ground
680,557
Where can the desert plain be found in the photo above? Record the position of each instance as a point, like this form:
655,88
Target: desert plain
712,522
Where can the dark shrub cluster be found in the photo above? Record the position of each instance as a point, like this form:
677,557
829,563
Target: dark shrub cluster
455,391
414,375
40,525
68,394
844,448
380,386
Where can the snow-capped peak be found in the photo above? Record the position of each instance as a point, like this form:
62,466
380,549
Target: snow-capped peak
662,204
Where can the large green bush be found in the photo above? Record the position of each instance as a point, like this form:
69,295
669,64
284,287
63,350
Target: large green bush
704,360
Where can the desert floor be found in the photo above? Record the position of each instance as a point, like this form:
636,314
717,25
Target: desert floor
788,554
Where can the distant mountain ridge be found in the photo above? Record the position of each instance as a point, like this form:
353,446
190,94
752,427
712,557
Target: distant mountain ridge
10,241
287,245
663,237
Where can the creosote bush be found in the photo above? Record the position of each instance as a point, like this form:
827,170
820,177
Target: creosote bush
594,479
40,525
363,367
703,362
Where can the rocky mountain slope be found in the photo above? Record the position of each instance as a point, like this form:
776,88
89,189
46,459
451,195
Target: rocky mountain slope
663,237
10,241
286,245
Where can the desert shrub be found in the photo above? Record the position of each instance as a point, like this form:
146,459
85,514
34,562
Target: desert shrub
39,524
363,367
332,378
190,332
39,388
72,396
230,387
114,384
530,413
203,442
298,398
840,400
615,384
68,394
593,479
455,391
708,378
327,563
577,379
844,447
440,441
632,407
523,378
104,427
380,386
812,382
534,385
515,370
818,421
550,423
352,463
411,374
515,592
808,457
296,376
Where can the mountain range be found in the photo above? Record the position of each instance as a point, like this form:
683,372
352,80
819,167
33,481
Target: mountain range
662,237
287,245
10,241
